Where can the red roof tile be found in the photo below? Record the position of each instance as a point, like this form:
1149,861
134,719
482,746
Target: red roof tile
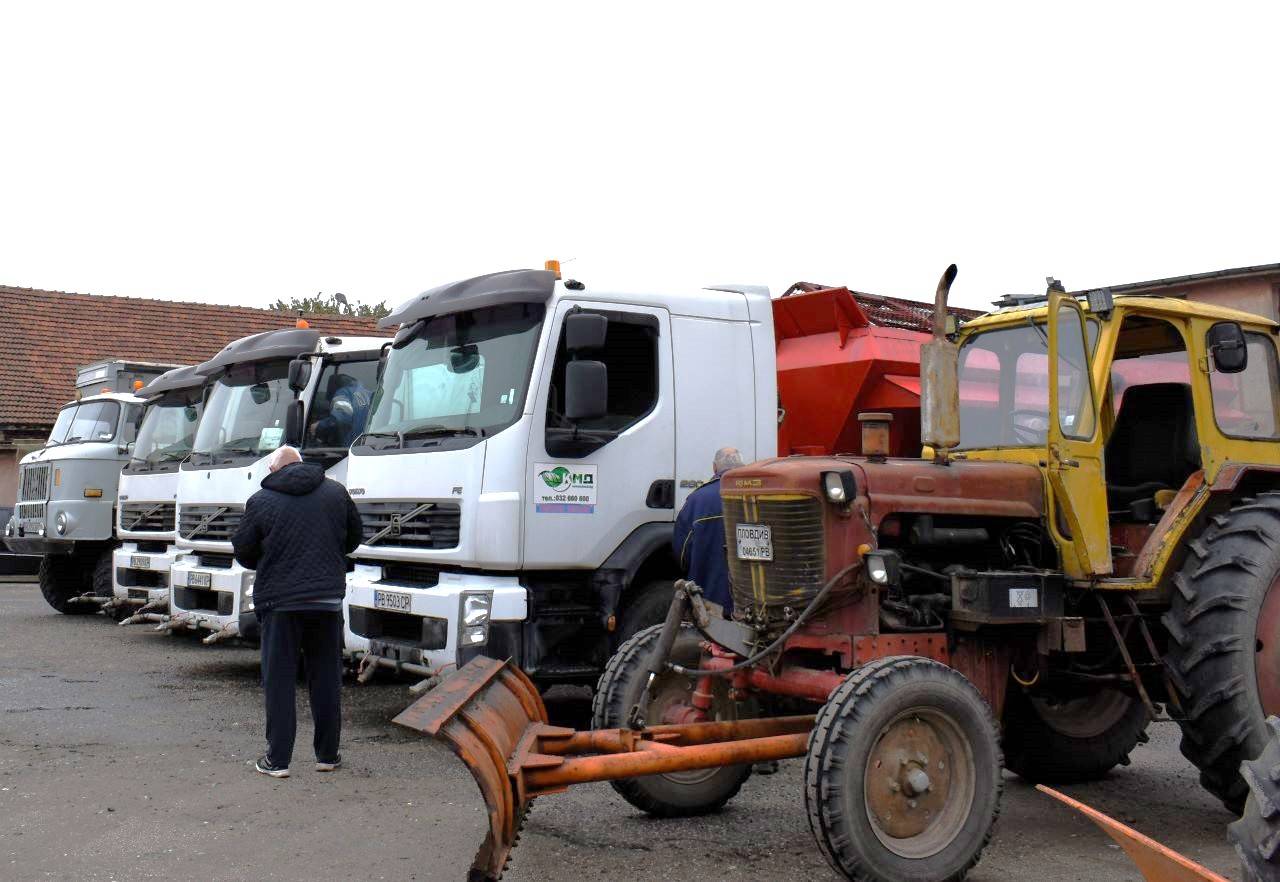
48,334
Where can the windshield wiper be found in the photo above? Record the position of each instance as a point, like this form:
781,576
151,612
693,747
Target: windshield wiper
443,431
390,433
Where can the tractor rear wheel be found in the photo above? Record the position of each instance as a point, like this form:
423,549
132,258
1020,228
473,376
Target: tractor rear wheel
1072,740
64,577
677,794
1256,834
1224,643
903,774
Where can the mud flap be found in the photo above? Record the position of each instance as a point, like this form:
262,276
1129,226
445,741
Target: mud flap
483,712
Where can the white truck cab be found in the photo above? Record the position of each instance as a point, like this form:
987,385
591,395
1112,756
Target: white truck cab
528,448
67,489
291,386
146,516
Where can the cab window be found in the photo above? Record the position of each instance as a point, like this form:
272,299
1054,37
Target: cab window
1076,413
1244,404
631,356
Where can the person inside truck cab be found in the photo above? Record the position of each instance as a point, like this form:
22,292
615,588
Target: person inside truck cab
348,410
698,540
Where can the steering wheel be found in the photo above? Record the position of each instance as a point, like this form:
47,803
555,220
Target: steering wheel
1030,427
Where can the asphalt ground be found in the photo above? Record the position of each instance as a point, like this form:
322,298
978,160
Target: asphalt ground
124,754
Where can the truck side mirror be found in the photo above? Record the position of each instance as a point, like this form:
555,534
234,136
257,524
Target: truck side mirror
299,374
586,390
293,423
584,330
1227,348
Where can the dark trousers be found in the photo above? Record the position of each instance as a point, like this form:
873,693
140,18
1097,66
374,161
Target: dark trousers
318,637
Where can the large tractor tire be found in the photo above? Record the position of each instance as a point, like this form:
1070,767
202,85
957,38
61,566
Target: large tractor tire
1224,643
1256,836
903,774
1073,740
677,794
64,577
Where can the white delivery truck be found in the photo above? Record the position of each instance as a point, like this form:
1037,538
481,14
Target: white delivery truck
293,386
529,446
146,516
67,489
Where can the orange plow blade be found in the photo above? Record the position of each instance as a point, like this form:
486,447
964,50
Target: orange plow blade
1156,862
492,717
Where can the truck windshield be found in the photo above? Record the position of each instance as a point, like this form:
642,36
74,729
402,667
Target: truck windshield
245,412
458,375
87,421
168,431
1004,386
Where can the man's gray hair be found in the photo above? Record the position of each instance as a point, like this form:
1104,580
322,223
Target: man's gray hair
727,458
282,457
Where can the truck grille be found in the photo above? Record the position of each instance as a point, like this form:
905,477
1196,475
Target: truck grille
32,511
209,523
147,517
33,485
762,589
411,524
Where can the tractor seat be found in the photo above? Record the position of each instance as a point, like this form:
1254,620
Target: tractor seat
1153,445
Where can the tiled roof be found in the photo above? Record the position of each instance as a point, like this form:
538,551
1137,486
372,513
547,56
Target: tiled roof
48,334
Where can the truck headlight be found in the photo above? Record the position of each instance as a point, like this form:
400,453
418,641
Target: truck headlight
367,572
839,487
61,523
473,618
883,567
8,528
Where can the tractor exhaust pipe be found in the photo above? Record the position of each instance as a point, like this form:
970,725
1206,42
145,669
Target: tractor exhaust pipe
939,385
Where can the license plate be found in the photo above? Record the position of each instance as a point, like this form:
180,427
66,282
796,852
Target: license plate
392,600
199,580
140,562
755,542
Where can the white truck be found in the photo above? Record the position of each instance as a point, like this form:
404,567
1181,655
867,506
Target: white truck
146,516
67,489
526,454
292,386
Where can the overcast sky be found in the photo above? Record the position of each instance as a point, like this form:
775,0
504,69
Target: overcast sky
236,153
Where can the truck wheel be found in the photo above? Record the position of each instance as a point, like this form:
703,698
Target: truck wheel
903,774
1073,740
676,794
646,608
1257,833
1224,643
63,577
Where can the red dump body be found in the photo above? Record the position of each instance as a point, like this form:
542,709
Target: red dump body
841,354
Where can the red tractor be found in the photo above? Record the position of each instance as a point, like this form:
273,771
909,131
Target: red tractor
1091,542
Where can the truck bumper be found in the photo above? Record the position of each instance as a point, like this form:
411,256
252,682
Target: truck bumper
39,545
141,577
422,626
224,605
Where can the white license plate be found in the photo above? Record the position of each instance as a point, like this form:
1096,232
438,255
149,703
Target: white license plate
140,562
199,580
755,542
392,600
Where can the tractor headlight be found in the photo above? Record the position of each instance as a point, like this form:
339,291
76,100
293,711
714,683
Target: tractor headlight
61,523
883,567
473,618
839,486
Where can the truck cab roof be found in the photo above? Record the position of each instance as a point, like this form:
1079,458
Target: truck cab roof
1170,307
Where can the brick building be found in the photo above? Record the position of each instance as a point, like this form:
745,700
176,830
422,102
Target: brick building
1254,289
48,334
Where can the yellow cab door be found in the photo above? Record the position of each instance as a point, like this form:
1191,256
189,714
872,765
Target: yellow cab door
1077,488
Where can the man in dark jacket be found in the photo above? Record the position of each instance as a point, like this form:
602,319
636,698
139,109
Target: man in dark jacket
698,539
297,532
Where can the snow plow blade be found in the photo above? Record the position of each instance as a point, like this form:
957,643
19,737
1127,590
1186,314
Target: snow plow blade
1156,862
491,715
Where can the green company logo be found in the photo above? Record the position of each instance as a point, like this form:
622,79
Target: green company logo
558,478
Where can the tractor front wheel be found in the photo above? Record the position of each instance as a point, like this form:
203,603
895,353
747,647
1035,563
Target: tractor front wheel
903,774
1064,741
1224,643
676,794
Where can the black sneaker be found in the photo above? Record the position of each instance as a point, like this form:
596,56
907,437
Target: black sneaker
322,766
265,767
